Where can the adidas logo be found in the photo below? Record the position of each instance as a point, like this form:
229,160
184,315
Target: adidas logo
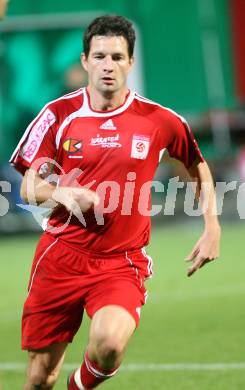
108,125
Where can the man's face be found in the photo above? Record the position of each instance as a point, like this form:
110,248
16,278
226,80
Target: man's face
108,63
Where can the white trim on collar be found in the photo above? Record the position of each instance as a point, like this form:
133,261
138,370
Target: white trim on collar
85,111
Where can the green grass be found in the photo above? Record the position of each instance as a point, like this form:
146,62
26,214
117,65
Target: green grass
186,320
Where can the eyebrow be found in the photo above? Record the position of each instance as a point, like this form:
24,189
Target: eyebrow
103,53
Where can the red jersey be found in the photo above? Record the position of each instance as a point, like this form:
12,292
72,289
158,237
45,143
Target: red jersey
117,151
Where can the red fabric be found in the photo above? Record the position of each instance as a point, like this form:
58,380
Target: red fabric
120,147
72,384
238,33
64,281
91,375
39,137
90,379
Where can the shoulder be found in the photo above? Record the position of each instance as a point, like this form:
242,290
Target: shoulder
53,114
160,113
66,104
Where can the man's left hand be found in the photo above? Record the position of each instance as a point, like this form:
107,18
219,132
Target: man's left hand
205,250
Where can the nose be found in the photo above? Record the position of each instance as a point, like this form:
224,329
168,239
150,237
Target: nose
108,63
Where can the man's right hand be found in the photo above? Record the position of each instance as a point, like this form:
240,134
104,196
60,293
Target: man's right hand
75,199
37,191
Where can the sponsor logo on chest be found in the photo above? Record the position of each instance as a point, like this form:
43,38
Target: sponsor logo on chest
73,147
140,147
106,142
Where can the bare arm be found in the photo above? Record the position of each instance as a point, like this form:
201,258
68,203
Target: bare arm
207,247
36,190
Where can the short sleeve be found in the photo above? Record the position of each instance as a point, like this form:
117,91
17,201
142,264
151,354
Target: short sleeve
37,143
177,137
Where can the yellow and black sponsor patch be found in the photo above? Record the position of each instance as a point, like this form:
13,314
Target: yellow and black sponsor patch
72,145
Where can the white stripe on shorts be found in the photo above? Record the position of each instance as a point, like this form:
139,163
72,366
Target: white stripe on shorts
150,263
42,256
132,265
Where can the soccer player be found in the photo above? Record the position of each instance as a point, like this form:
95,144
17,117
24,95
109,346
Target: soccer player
102,145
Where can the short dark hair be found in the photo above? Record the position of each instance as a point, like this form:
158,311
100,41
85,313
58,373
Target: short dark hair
110,25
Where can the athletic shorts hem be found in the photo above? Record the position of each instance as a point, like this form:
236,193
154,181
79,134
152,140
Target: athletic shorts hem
92,312
46,343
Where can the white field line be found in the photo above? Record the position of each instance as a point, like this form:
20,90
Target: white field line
146,366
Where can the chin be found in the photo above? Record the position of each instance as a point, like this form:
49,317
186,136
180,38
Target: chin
108,89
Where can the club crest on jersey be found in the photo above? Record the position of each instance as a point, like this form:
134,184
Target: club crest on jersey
106,142
140,147
72,145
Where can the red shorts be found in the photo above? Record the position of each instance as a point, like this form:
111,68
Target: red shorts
64,281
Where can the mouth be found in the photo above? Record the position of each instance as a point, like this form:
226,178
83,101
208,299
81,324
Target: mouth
108,80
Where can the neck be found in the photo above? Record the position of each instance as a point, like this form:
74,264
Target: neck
108,100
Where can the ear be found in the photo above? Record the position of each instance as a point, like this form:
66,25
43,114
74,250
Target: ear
84,61
131,62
